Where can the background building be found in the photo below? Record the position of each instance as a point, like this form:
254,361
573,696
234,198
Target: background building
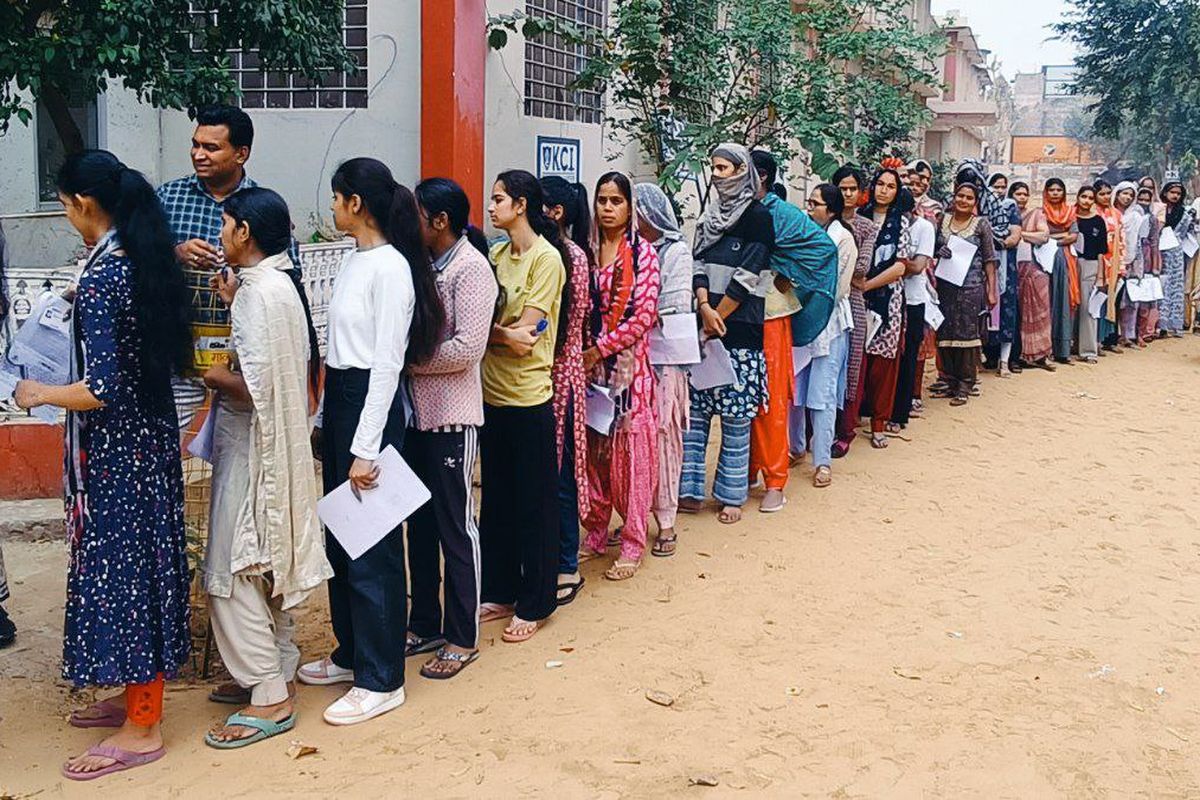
965,108
1047,122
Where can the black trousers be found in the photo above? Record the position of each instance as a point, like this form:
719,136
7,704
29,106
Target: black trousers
367,601
518,519
914,334
444,461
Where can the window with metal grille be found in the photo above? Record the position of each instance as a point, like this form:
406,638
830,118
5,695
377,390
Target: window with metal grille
551,64
263,89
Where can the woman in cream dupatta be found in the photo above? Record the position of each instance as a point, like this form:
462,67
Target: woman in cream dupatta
265,552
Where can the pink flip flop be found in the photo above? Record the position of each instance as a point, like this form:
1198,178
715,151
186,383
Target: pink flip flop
113,716
124,758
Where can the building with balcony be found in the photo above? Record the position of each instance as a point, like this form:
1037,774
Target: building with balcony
965,107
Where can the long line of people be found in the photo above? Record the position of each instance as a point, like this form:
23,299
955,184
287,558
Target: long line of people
451,351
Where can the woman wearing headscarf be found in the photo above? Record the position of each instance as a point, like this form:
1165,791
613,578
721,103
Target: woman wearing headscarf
1134,228
888,205
1112,264
1064,280
732,252
1005,316
850,182
658,225
1177,219
1033,282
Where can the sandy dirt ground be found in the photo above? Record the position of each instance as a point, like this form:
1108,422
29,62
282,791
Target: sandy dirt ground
1003,607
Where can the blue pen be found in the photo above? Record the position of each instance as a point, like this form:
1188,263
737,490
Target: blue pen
543,323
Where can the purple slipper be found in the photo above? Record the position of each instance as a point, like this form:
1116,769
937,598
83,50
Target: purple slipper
124,758
113,716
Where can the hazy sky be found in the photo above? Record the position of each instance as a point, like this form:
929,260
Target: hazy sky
1014,30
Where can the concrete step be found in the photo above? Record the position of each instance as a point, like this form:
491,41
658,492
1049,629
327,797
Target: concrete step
32,520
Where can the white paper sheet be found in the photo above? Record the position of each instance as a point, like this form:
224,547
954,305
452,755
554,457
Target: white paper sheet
201,445
934,316
801,358
1045,254
1190,245
675,341
1140,290
1097,302
41,347
874,323
601,411
715,369
1168,240
359,526
1156,287
1024,251
954,269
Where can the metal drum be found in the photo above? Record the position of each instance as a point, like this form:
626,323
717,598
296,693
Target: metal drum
210,321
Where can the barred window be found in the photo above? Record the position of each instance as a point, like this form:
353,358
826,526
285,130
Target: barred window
262,89
551,64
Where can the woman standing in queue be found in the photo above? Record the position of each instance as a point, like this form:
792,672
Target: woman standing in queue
1064,280
1179,221
821,383
443,442
850,183
622,461
958,337
127,584
888,206
1033,282
1112,264
384,313
733,245
1093,233
658,225
567,206
519,514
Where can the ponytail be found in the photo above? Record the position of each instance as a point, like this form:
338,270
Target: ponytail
577,211
160,296
394,209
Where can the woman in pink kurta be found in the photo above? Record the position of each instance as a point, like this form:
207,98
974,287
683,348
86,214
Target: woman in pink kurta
622,462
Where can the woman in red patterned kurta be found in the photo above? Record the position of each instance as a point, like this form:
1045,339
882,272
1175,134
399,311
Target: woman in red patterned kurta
622,462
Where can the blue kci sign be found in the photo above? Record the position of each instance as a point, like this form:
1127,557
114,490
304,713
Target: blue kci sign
558,156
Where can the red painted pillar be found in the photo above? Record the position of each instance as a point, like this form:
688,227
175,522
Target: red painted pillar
453,67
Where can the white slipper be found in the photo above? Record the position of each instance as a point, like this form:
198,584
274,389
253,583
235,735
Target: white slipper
324,673
777,508
360,705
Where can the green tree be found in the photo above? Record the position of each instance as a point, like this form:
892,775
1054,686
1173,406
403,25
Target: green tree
832,76
1137,59
172,53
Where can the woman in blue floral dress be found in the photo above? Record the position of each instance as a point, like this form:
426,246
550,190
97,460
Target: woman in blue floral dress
127,587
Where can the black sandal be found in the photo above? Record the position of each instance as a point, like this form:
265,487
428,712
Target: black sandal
664,546
448,657
572,591
415,645
614,538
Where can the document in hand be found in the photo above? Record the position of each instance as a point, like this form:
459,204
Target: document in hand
359,525
1190,245
954,269
874,323
934,316
1097,302
1168,240
601,410
41,347
1045,254
201,445
715,368
676,341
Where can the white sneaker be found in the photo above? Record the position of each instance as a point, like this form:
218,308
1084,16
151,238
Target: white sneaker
360,705
324,673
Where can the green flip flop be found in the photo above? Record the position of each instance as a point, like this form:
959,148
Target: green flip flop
265,728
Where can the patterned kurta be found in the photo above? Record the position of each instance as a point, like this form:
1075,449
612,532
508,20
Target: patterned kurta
570,382
127,586
961,304
1174,268
864,231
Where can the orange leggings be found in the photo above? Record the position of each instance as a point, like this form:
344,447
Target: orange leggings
144,702
769,430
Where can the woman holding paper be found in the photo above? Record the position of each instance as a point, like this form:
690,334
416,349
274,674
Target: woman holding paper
732,251
657,224
265,552
1064,280
1110,205
962,230
1033,282
622,461
1178,222
384,313
567,206
888,206
1091,247
519,514
127,583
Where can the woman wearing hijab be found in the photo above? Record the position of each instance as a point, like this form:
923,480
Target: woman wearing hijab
888,205
1112,264
657,225
732,251
1132,263
958,335
1004,319
1064,280
1178,223
1033,282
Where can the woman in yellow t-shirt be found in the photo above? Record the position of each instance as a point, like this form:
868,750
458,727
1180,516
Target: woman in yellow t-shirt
518,519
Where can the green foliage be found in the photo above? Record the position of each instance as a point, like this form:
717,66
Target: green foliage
1137,58
832,76
172,53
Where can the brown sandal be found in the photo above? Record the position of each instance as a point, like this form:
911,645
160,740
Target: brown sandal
622,571
822,477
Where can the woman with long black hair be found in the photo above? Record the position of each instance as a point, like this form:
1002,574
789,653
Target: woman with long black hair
265,553
127,585
567,206
385,313
518,519
443,445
